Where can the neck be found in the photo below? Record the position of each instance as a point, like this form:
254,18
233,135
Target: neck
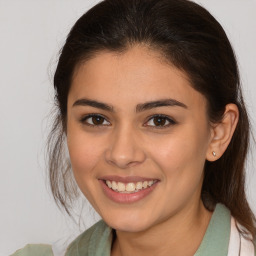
180,235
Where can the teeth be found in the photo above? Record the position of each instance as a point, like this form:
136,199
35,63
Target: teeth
129,187
114,185
144,184
120,187
139,185
109,183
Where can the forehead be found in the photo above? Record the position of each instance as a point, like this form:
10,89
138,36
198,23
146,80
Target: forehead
138,75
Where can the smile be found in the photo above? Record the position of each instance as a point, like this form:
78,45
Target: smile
127,189
131,187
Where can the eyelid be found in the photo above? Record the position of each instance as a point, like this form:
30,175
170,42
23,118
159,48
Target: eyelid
168,118
87,116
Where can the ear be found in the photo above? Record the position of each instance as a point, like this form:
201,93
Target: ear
222,133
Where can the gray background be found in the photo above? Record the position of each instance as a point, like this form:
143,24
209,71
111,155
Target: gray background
31,33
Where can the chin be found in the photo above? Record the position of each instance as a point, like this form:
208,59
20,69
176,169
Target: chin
129,227
128,222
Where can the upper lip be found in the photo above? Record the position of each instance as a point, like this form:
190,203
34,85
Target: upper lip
126,179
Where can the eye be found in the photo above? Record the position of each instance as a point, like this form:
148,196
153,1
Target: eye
160,121
95,120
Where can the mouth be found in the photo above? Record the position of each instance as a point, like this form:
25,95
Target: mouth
128,189
131,187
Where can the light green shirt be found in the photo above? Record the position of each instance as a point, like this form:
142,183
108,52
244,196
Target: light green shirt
97,240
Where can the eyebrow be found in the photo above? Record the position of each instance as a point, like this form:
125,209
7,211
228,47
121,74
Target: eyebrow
93,103
159,103
139,108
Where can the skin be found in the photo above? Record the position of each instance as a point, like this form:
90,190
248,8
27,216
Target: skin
128,143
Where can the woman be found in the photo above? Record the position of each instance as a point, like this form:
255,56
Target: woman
151,109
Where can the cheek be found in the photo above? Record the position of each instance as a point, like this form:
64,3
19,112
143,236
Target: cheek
180,158
85,155
85,152
82,156
181,153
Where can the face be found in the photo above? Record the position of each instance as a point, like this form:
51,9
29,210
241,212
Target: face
137,135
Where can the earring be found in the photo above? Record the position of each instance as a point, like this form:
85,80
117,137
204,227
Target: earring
213,153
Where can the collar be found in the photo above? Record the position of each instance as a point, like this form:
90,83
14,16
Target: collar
216,238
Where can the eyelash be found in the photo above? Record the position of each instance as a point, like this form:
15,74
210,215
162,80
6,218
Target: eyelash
84,120
165,118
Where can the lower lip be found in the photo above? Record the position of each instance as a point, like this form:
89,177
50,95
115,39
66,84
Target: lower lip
126,198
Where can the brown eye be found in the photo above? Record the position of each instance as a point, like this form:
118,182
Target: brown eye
160,121
95,120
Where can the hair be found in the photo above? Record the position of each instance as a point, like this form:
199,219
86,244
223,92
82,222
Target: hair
188,37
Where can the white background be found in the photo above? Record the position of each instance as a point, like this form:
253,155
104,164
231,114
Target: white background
31,33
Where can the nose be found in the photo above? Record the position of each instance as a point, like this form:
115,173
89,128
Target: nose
125,149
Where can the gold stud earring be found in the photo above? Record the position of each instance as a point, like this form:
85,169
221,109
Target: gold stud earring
213,153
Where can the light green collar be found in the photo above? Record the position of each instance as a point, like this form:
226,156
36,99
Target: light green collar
216,238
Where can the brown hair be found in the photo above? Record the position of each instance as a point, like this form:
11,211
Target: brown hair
190,38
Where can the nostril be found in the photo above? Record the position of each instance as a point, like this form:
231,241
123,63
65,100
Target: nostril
123,161
124,150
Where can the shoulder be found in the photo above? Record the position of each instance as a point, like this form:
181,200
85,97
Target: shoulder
92,241
34,249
